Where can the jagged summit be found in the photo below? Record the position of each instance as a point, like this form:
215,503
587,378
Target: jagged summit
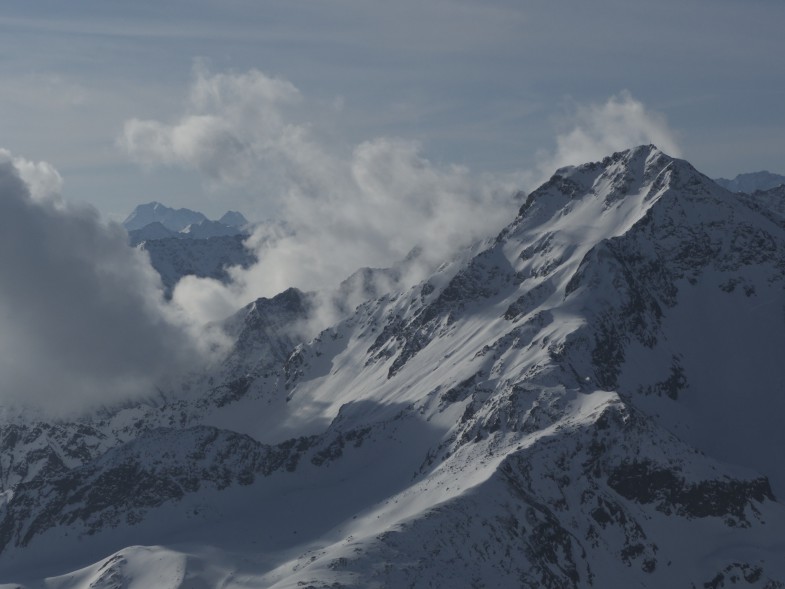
179,220
635,165
172,219
589,400
233,219
626,156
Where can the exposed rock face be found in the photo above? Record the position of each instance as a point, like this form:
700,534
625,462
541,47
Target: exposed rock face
182,242
173,258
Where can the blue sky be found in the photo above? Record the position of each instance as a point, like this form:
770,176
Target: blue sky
490,86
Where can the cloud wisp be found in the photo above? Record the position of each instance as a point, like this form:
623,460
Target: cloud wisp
596,130
83,319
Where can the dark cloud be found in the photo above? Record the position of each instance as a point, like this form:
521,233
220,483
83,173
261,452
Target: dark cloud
82,318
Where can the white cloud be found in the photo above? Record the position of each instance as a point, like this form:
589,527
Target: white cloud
232,123
345,207
82,317
598,130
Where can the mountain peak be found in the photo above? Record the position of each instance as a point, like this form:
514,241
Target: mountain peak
173,219
642,156
615,174
179,220
234,219
646,154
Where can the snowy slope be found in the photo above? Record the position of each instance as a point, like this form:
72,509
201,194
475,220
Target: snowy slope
591,399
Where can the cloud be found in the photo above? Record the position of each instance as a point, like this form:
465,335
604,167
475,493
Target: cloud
42,179
597,130
82,318
344,207
232,123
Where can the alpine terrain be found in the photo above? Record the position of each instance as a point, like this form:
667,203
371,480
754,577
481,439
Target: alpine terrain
591,398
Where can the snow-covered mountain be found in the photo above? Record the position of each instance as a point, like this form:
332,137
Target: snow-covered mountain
752,182
590,399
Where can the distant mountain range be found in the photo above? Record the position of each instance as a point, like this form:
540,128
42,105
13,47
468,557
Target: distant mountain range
183,242
590,399
752,182
176,219
156,221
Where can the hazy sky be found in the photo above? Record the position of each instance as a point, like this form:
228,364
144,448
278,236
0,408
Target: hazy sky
489,86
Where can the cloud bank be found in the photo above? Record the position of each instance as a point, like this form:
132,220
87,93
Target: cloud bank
82,319
345,207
